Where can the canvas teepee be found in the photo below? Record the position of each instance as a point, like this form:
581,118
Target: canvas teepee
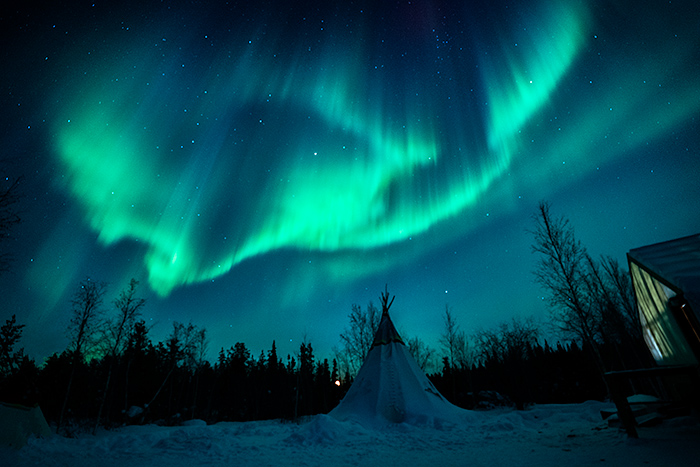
18,423
390,386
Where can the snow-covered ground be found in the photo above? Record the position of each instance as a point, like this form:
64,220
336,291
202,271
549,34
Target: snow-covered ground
545,435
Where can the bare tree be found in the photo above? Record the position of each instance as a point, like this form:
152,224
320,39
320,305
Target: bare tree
117,332
581,301
455,343
9,217
128,308
86,320
509,345
610,295
601,301
623,295
562,271
199,353
509,342
84,328
181,348
423,354
10,359
621,322
357,339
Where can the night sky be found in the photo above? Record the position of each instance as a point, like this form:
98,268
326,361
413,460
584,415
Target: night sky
260,169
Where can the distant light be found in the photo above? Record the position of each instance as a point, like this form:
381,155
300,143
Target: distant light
337,382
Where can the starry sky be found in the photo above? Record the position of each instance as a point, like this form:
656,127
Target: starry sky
259,169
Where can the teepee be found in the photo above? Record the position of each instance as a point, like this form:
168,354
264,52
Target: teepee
390,386
18,423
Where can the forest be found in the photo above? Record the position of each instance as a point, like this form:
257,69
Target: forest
167,382
112,373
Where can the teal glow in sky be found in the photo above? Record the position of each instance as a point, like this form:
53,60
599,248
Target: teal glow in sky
173,162
287,162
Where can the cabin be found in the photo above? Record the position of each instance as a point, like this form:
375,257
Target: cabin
666,282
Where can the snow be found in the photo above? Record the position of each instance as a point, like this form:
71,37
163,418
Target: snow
543,435
391,416
134,411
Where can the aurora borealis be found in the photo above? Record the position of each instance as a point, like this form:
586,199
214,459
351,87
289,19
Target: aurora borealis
260,169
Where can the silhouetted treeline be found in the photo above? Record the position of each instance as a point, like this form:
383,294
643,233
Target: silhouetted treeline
151,384
165,383
541,375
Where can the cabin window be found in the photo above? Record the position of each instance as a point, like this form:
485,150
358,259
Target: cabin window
662,333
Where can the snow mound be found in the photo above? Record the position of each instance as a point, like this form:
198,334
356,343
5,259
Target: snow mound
186,440
641,399
134,411
194,422
544,436
321,429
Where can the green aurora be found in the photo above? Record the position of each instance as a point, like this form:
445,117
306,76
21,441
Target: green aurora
256,152
260,168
